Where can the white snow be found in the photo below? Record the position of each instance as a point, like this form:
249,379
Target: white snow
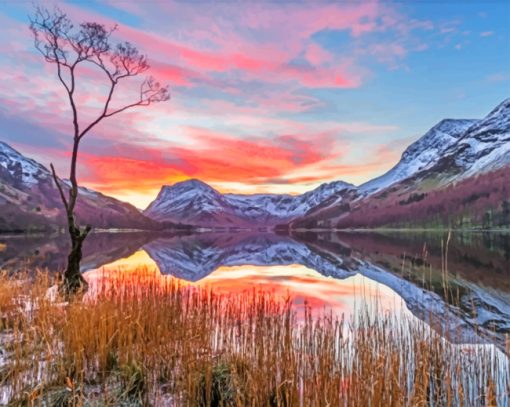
189,200
485,146
422,154
31,171
476,146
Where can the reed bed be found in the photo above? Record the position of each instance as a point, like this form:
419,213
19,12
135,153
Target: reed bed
142,340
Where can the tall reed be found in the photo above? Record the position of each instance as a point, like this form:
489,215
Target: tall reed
142,340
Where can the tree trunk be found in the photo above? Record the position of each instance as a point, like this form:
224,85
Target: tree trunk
73,280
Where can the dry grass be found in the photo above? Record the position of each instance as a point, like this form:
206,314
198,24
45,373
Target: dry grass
142,341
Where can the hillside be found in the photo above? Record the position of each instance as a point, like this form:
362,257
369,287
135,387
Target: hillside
30,201
456,175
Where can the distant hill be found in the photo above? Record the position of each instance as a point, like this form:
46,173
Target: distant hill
29,200
197,203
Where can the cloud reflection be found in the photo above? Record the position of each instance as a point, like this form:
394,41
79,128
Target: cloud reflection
303,285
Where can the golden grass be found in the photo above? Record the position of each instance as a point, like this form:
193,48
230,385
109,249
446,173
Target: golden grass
144,341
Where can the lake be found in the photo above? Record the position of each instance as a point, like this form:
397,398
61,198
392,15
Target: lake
458,283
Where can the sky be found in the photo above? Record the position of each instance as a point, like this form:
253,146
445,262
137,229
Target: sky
266,97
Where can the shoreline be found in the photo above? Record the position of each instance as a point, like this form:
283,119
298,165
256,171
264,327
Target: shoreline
266,229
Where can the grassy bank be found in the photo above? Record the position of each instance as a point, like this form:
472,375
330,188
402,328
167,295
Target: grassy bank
147,341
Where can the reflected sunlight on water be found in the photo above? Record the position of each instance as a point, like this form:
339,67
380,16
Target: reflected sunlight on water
302,284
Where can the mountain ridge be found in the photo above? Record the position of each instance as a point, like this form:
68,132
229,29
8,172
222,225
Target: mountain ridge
469,166
451,151
421,154
196,202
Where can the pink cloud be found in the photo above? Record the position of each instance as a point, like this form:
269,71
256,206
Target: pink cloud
233,73
317,55
198,49
257,59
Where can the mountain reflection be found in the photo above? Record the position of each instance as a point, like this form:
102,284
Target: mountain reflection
328,270
306,287
194,257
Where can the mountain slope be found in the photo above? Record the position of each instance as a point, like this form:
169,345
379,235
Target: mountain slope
197,203
481,202
29,200
484,147
422,154
191,201
442,180
454,150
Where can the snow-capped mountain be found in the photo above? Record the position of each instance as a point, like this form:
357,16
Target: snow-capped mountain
29,199
453,150
20,170
197,203
483,147
449,155
191,200
422,154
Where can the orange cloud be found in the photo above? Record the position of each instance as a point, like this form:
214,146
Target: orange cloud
136,174
214,158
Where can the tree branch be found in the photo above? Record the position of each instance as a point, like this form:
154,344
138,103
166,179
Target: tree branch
150,92
85,232
103,114
59,187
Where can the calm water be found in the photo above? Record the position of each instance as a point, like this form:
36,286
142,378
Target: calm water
464,279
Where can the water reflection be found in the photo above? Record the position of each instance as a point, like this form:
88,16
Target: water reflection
326,269
305,286
194,257
29,252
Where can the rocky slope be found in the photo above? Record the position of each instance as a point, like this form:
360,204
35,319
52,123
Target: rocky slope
454,150
484,147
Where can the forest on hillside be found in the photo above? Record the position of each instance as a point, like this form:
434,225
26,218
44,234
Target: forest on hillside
479,202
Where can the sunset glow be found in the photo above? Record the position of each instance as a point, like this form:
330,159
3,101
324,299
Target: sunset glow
265,97
251,203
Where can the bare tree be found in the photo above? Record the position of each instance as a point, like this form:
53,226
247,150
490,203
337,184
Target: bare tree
65,46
